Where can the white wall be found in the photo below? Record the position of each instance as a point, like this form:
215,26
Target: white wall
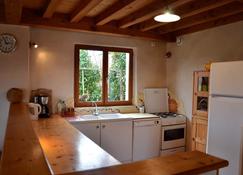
52,64
217,44
14,71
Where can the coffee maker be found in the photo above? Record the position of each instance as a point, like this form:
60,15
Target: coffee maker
43,101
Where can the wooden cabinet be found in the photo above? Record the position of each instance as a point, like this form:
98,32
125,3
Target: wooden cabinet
116,139
91,130
200,110
199,133
113,136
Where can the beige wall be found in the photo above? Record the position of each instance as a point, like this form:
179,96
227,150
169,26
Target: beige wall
52,64
218,44
14,71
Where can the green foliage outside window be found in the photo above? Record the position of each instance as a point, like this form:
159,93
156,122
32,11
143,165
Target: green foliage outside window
117,77
90,82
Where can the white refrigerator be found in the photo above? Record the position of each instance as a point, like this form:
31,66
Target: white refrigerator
225,126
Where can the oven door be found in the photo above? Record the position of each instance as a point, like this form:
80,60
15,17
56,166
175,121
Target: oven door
173,136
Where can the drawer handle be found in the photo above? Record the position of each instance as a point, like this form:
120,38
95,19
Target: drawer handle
103,126
97,126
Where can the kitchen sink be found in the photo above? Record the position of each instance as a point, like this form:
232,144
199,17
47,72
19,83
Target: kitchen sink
89,117
111,116
102,116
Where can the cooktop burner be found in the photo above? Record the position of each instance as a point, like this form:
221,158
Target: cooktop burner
165,114
170,118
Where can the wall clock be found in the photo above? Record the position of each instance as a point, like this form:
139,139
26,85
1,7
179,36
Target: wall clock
7,43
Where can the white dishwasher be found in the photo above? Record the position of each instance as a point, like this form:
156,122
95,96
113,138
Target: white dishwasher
146,138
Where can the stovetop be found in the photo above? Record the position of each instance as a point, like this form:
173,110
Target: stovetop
166,114
170,118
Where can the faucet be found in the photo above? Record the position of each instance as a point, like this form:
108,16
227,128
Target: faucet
95,111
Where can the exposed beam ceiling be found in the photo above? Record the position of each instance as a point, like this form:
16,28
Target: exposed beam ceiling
113,11
13,11
85,25
220,12
149,11
84,7
121,17
50,10
187,10
211,24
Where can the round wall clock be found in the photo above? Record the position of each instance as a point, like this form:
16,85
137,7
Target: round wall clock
7,43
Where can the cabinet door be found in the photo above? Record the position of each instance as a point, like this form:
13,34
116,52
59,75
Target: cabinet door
199,134
91,130
116,139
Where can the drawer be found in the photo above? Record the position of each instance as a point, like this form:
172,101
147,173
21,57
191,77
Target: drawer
171,151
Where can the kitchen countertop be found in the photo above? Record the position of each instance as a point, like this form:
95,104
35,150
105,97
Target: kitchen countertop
55,147
68,150
92,118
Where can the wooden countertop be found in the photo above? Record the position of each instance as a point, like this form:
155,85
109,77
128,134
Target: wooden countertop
68,150
57,148
185,163
22,154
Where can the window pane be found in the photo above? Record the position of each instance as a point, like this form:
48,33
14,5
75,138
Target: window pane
90,75
118,76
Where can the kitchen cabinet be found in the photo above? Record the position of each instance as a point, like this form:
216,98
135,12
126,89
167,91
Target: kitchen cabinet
199,132
116,139
91,130
200,110
113,136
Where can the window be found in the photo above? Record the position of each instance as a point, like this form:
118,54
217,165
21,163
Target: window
103,75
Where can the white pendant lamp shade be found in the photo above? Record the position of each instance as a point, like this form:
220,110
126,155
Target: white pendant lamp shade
167,17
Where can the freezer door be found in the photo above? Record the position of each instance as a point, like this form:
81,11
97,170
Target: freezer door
156,100
225,132
226,78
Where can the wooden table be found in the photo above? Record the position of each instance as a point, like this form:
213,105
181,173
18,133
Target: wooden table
54,147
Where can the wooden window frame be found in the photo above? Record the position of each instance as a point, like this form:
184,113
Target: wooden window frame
105,102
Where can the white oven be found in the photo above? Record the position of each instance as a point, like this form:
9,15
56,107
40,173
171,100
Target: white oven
173,136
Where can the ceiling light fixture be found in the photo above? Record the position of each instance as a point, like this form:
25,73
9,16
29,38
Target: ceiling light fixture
167,16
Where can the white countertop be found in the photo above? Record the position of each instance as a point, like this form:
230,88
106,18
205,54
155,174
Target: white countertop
141,115
99,118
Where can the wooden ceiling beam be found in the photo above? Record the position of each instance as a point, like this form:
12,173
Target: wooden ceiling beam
31,19
13,11
207,16
187,10
51,7
149,11
208,25
114,11
82,10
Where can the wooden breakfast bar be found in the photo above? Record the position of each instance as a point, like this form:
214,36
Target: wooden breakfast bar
53,146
